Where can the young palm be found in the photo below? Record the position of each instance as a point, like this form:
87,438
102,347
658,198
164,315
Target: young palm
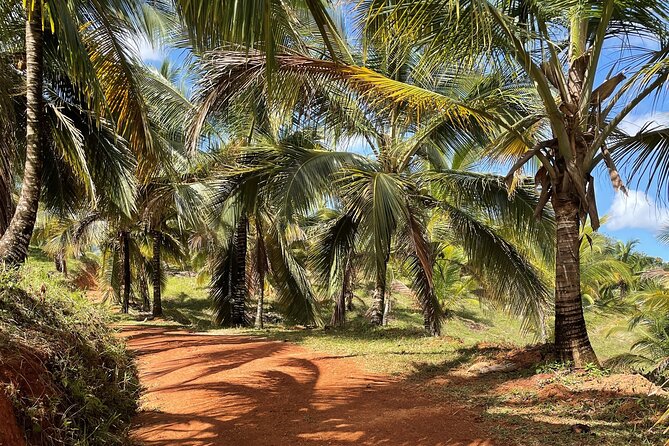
267,182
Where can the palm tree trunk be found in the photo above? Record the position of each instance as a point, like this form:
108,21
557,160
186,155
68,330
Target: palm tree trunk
261,303
16,239
571,335
261,269
125,240
156,274
431,324
238,293
61,263
339,314
377,313
144,290
6,179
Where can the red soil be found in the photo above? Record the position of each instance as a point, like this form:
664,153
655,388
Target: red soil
234,390
10,432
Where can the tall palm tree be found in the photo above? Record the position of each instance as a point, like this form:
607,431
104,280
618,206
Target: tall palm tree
170,200
16,237
559,47
72,53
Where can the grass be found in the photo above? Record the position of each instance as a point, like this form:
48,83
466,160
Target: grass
402,345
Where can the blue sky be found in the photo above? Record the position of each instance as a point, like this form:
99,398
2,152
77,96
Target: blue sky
640,214
637,216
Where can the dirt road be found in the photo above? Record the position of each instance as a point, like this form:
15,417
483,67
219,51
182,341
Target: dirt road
237,391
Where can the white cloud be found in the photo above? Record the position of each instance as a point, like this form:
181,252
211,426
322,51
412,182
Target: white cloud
145,50
632,124
636,210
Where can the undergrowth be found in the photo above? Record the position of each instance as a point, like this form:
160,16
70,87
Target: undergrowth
71,381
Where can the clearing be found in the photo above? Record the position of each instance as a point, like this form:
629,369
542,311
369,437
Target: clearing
235,389
204,390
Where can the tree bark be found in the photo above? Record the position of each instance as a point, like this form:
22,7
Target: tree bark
61,263
156,274
144,290
127,281
261,269
377,313
341,303
7,151
431,325
571,335
260,307
239,292
16,239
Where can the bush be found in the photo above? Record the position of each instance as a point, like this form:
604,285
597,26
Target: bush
69,377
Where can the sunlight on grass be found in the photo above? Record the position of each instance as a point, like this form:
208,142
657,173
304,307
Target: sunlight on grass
397,349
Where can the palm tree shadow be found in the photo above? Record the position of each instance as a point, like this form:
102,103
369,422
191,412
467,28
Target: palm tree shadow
230,390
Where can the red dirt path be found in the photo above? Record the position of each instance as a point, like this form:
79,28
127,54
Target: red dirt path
237,391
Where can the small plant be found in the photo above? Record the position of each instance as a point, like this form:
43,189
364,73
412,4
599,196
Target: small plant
554,367
595,371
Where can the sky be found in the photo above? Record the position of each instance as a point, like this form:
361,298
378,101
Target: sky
642,213
639,215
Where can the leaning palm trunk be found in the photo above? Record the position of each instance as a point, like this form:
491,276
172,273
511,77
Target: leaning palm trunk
571,334
238,294
156,274
16,239
125,241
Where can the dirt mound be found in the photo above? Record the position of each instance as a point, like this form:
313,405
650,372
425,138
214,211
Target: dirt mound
623,384
554,391
497,358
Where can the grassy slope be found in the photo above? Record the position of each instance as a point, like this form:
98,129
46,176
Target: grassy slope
52,338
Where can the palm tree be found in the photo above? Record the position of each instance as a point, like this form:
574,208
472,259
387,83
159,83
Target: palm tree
16,237
71,54
252,190
558,47
386,197
170,199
